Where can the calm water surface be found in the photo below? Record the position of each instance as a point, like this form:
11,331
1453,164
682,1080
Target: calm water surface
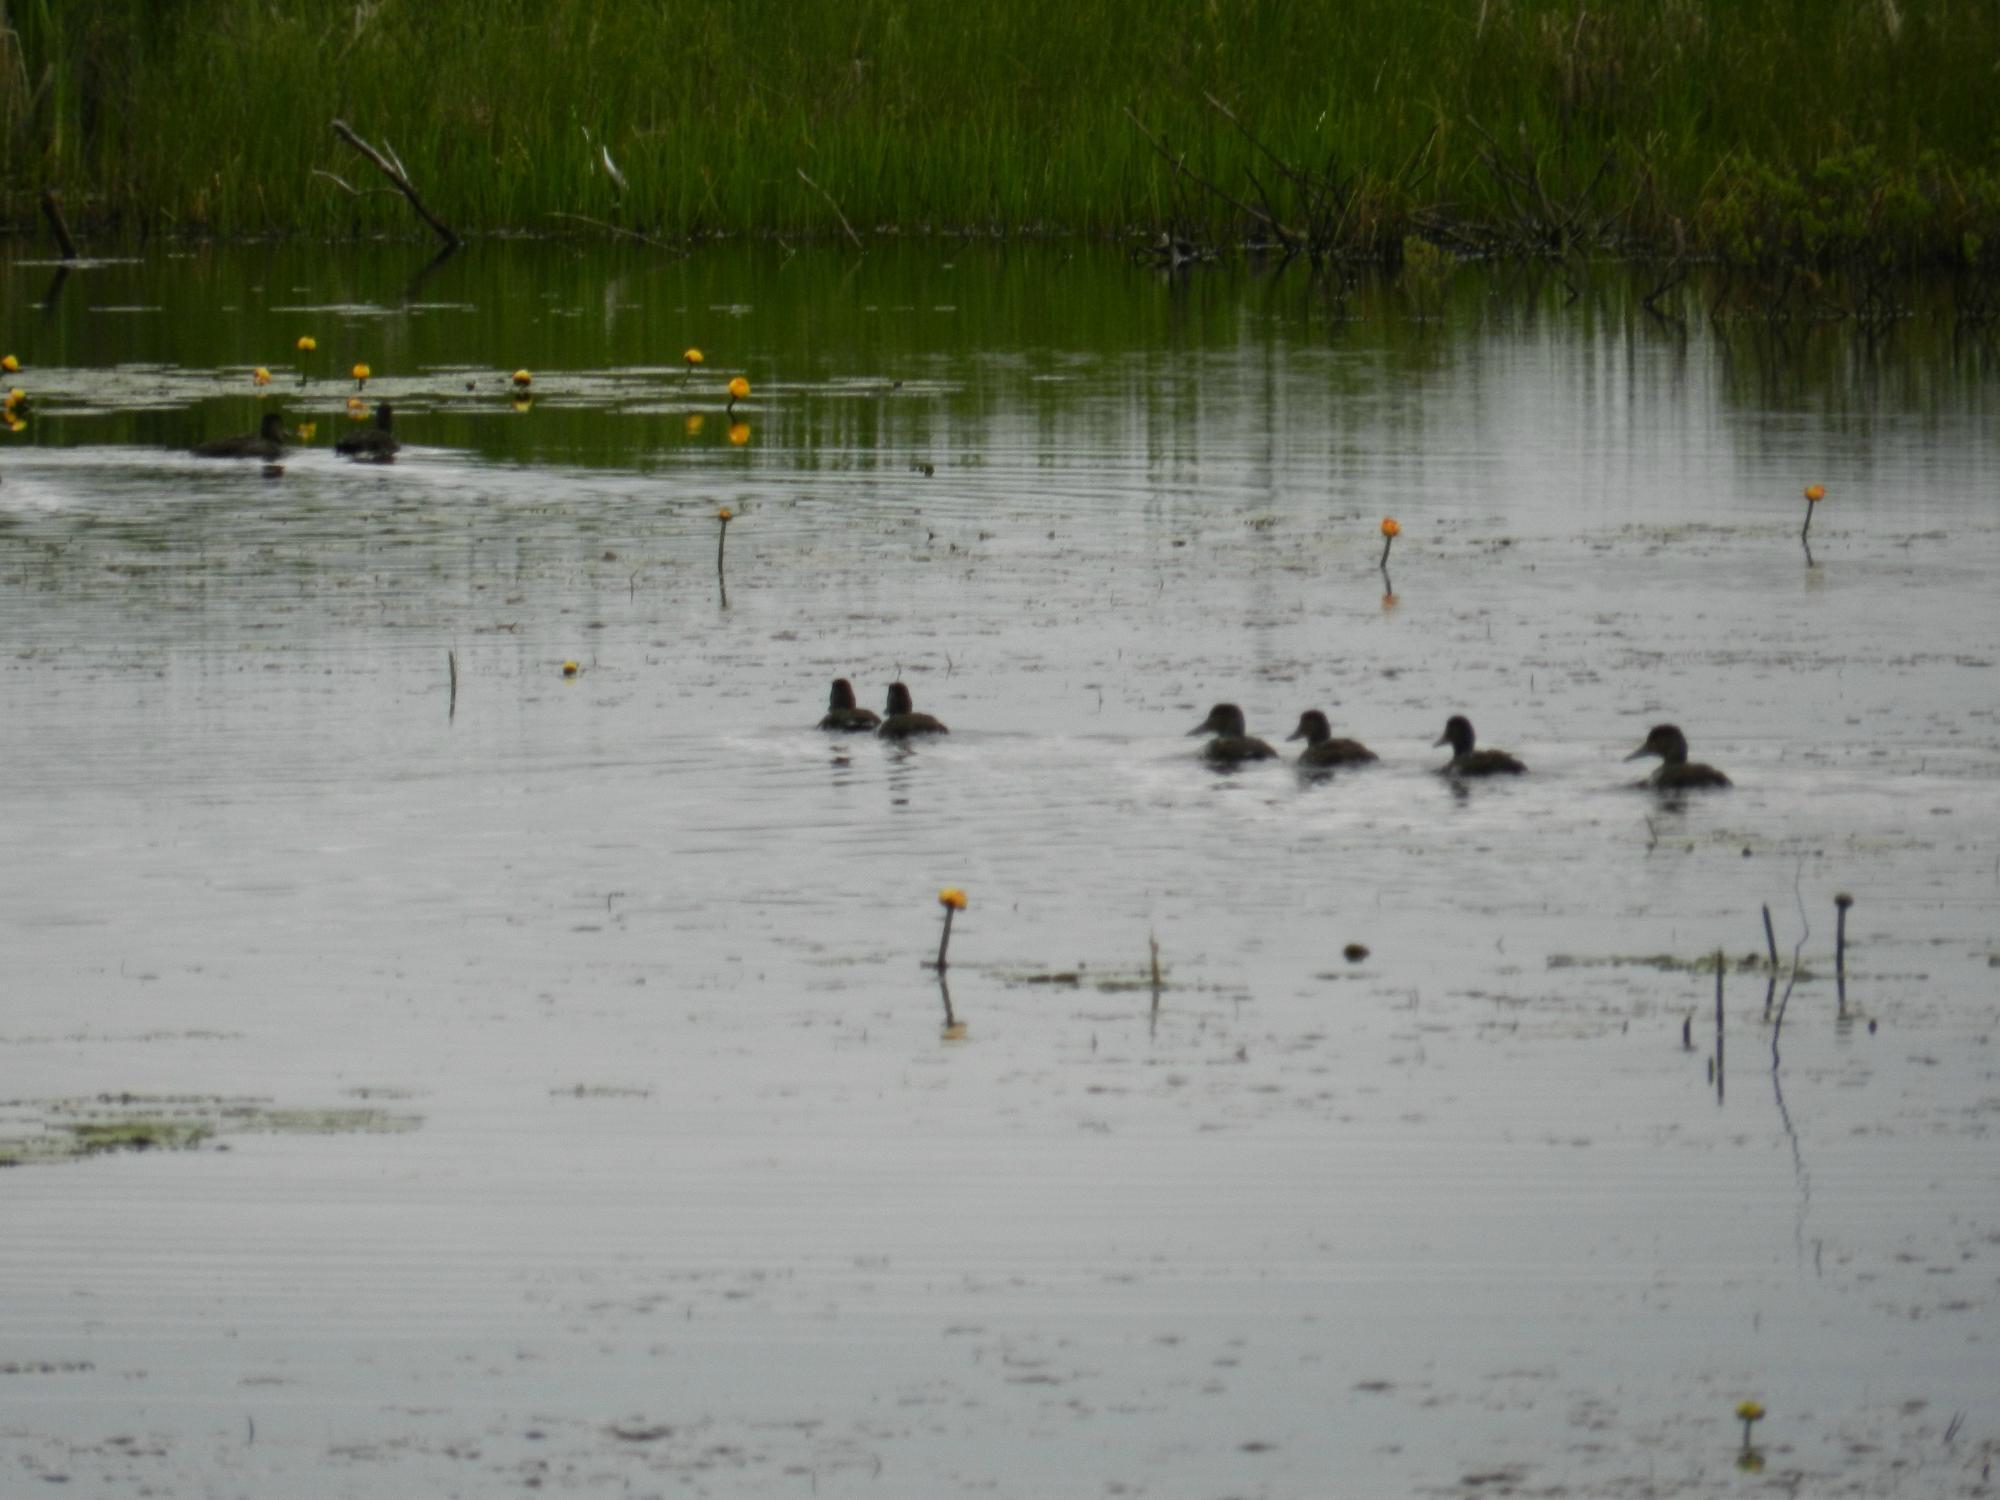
686,1193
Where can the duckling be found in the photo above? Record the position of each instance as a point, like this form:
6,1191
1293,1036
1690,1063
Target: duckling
1466,761
374,445
841,714
1233,744
900,719
1322,750
1676,772
266,443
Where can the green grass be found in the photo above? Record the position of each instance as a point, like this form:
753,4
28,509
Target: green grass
1720,119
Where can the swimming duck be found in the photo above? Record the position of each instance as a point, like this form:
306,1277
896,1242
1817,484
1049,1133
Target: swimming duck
1233,744
1466,761
1322,749
267,442
374,445
1676,772
900,719
841,713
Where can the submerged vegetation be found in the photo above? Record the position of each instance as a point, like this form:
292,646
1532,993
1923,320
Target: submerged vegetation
34,1131
1805,135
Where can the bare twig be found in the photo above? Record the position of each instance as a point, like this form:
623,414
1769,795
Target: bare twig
617,231
341,182
1181,168
52,210
832,205
393,170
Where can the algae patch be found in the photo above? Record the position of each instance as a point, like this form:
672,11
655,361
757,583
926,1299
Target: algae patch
34,1131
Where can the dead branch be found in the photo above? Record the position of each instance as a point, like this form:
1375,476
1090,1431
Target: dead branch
52,210
393,170
1180,166
617,231
832,205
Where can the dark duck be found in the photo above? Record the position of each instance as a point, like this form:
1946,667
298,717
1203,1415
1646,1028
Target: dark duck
1676,772
1466,761
374,445
1232,744
900,719
1323,751
842,716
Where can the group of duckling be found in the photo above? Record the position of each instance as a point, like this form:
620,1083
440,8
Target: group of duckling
1231,743
376,444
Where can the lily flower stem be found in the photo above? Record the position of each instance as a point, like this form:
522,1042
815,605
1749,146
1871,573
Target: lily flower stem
721,541
1387,543
945,941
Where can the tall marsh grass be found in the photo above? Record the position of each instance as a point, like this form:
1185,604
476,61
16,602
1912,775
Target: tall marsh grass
1681,121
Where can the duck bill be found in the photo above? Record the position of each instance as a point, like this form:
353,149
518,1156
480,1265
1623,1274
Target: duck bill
1443,739
1641,753
1204,727
1296,734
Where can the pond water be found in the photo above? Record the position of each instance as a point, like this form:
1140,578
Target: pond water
583,1117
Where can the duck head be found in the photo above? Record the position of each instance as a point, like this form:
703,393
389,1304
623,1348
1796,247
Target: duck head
1224,719
843,694
1313,728
1665,741
1457,734
899,701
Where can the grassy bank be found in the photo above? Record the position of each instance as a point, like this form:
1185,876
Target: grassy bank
1499,123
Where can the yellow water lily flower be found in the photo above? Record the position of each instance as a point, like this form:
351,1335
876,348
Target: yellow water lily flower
725,515
307,343
11,365
739,389
692,356
261,375
361,373
1390,526
1750,1411
1815,493
522,380
952,897
570,669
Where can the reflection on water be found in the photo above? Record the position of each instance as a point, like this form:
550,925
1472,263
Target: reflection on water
301,805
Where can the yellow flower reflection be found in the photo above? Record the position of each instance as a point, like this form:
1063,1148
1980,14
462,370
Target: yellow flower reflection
739,434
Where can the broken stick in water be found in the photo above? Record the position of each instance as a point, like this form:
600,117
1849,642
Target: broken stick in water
396,175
